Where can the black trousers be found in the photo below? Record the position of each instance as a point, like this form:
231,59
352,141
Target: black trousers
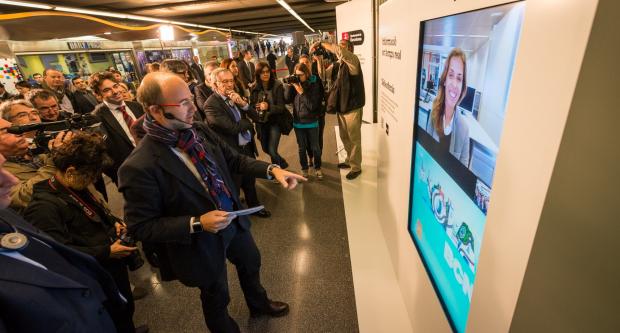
243,253
247,183
122,317
321,129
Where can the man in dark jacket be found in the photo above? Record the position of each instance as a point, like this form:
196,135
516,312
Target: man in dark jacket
46,286
116,117
85,100
179,192
227,114
347,99
291,60
204,90
54,81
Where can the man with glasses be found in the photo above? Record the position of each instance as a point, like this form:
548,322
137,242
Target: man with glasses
179,193
47,105
85,100
227,114
27,167
116,116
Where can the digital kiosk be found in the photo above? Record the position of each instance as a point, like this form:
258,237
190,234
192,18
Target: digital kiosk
476,95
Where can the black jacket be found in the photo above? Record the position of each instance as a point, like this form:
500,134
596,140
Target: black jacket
161,195
53,211
221,119
38,300
277,104
83,104
348,91
201,93
307,106
118,143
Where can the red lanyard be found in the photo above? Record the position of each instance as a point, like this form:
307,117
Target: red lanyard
88,210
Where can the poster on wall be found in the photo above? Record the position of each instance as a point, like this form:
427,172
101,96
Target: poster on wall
10,74
464,71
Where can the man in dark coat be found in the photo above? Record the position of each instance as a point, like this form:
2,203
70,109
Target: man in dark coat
85,100
227,114
204,90
46,286
116,117
179,192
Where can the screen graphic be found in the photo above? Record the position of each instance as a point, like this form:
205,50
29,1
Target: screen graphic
466,63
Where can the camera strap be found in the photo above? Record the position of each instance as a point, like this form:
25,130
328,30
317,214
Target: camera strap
90,211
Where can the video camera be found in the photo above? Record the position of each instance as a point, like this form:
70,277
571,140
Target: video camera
47,131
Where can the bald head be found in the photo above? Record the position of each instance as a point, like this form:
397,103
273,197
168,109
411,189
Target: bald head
151,91
166,97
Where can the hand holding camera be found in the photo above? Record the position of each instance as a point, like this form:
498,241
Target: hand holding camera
59,140
119,251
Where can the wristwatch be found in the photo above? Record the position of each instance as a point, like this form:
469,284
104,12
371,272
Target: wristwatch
196,225
270,170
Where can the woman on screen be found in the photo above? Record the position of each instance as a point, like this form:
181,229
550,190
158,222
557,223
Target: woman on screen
448,126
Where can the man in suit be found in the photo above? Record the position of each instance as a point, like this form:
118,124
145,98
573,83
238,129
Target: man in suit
116,117
247,69
204,90
179,191
197,69
46,286
291,60
227,114
85,100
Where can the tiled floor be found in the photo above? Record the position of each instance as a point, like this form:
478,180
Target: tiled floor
305,257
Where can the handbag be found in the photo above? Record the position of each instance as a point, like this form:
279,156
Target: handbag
286,125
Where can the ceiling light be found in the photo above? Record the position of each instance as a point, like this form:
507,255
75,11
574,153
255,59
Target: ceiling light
107,33
26,4
128,16
166,32
292,12
88,12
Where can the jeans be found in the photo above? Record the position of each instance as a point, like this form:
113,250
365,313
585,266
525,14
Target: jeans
321,129
269,141
308,137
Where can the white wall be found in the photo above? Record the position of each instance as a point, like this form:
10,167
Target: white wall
541,81
357,15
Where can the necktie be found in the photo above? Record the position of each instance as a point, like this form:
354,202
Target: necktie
245,134
126,117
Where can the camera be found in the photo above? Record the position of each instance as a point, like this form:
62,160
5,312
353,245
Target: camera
134,260
47,131
321,51
291,79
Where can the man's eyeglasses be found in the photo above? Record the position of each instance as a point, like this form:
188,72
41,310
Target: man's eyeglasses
33,113
186,103
227,81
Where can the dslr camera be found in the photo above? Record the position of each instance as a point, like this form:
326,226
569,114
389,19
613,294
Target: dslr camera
134,261
291,79
321,51
46,131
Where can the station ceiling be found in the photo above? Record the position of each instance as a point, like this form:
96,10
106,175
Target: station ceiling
265,16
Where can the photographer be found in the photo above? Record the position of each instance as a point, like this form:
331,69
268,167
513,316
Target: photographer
347,99
47,104
29,168
305,94
268,97
69,209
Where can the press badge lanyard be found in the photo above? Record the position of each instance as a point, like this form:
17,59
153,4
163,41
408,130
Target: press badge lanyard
88,210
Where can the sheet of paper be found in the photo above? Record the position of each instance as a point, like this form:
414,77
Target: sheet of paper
247,211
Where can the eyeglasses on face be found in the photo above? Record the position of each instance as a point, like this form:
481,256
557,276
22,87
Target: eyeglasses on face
186,103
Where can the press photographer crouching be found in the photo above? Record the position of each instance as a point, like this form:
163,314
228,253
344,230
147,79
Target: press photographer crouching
28,166
68,208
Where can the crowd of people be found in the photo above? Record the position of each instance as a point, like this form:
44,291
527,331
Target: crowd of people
180,154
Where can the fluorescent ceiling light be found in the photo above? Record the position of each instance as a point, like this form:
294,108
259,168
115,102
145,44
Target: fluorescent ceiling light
130,16
26,4
166,32
292,12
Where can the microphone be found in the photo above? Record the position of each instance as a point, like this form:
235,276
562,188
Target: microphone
170,116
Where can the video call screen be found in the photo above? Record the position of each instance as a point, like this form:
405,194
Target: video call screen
465,67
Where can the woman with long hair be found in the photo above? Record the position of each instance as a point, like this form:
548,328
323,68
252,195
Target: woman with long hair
268,97
447,125
306,98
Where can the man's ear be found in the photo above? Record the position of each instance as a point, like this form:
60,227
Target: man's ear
153,109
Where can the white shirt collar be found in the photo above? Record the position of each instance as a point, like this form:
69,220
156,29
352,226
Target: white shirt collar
447,128
113,107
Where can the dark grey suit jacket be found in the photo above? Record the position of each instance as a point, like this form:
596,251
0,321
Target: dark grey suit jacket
162,194
118,143
246,72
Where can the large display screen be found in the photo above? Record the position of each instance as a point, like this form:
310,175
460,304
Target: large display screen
465,68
